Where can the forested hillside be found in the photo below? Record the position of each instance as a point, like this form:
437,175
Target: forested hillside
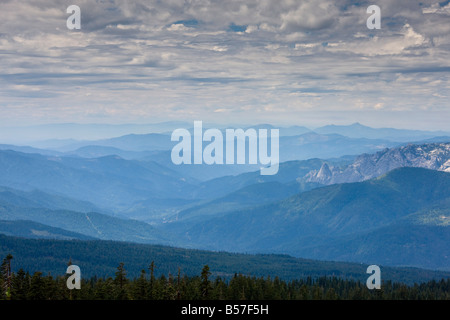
98,258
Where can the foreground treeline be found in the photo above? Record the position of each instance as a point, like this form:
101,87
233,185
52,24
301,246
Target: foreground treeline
25,286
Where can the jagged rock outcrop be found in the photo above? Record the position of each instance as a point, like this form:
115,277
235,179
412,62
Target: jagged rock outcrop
435,156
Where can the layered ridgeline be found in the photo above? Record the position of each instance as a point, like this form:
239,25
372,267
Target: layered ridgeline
401,218
37,214
108,182
397,219
296,143
294,177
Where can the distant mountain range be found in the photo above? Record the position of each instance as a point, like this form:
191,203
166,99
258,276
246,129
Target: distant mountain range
292,147
357,130
371,199
43,136
152,143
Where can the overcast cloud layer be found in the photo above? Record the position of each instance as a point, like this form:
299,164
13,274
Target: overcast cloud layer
282,62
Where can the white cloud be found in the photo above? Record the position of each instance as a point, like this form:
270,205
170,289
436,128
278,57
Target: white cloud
178,27
310,15
181,58
437,8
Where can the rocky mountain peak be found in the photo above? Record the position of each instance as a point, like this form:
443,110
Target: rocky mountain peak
435,156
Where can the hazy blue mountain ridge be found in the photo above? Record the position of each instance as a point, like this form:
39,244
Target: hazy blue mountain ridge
320,216
334,208
108,182
35,230
91,224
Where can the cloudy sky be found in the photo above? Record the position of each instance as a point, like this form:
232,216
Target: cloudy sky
311,62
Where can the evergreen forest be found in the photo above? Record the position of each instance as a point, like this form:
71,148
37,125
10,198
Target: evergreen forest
23,285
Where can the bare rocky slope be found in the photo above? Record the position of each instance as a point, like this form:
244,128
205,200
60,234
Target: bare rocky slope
435,156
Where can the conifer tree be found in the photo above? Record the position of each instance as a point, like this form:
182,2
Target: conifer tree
20,285
151,290
6,276
37,287
140,287
120,282
205,285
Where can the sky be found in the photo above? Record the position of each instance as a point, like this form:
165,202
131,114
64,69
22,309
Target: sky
284,62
